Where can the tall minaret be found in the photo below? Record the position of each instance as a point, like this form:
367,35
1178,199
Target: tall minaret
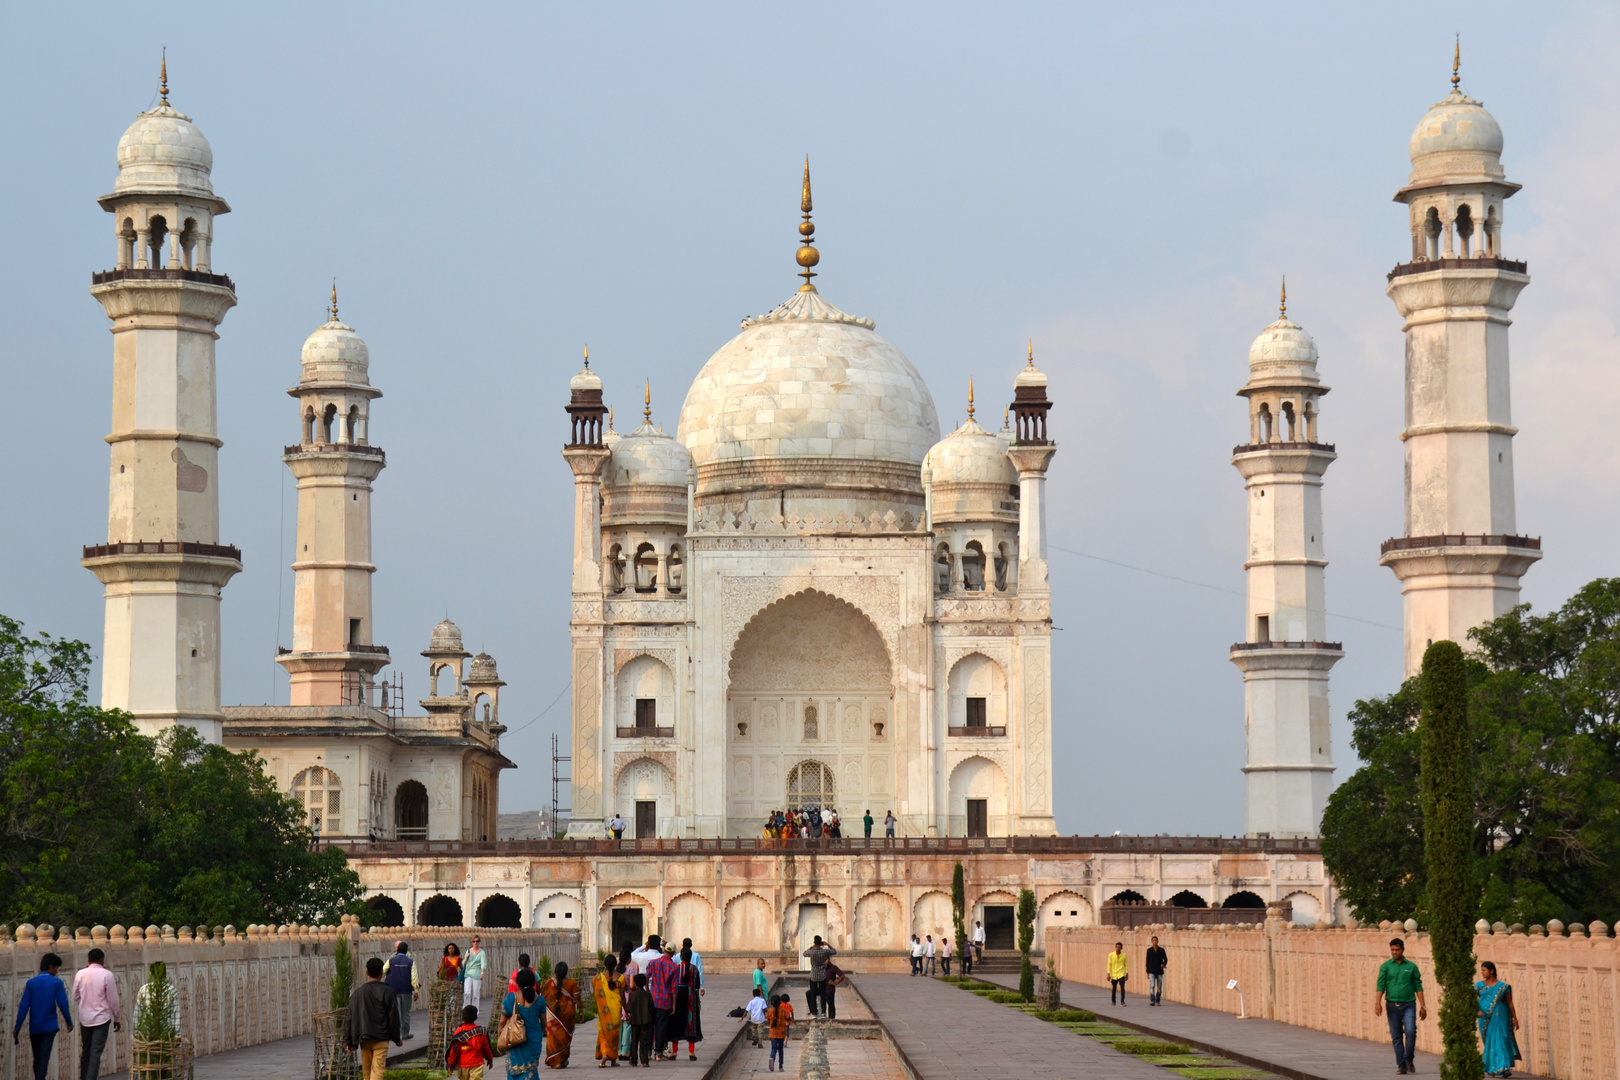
333,659
1461,558
586,453
163,565
1288,765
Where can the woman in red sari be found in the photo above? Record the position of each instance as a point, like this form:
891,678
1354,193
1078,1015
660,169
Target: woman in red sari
562,1009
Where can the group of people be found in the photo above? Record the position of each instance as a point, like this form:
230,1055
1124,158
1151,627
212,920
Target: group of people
934,958
95,994
1119,970
815,823
648,1001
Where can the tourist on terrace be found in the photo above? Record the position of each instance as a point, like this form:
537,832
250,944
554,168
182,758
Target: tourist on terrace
523,1059
562,1003
867,822
928,957
450,964
888,824
472,972
96,995
978,942
617,826
372,1022
42,998
1155,966
402,978
609,997
1119,967
945,954
686,1018
1400,986
661,975
627,985
819,954
916,955
1498,1020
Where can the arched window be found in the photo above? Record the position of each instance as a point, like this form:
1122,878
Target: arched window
812,724
810,785
942,570
126,244
1265,422
1288,423
411,811
677,568
156,230
615,561
352,428
309,427
187,243
327,419
1003,561
1493,233
1431,232
646,569
321,794
1127,896
1188,900
1244,899
973,566
1465,232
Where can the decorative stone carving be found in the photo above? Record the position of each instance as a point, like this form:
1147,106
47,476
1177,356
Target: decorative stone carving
587,728
878,598
1036,737
623,656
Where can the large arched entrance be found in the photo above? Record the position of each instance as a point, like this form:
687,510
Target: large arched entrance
810,700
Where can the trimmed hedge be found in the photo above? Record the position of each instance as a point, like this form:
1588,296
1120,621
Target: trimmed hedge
1149,1046
1005,997
1068,1016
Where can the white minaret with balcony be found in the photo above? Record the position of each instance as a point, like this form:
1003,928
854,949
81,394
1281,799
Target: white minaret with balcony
163,566
1288,764
333,658
1461,559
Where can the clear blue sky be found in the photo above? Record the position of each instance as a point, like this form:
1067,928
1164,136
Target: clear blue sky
496,185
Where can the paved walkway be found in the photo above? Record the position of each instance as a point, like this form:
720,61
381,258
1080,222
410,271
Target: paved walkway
950,1034
1296,1052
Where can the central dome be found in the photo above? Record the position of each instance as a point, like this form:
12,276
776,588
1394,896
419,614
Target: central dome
803,384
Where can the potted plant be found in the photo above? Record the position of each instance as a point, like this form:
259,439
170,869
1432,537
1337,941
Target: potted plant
332,1058
159,1052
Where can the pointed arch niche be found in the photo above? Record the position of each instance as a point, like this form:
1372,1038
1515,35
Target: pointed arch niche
809,678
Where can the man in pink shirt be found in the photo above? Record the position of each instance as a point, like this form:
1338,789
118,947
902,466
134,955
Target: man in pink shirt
96,996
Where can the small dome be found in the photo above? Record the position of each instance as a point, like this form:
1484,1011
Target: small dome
585,380
1030,376
446,638
1283,351
482,670
970,455
163,153
808,381
1457,137
334,353
647,456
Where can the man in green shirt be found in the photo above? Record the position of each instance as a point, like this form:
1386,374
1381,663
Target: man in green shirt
867,821
1400,996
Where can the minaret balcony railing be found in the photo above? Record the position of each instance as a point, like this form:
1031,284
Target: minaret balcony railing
645,732
979,731
1411,543
163,547
105,277
335,447
1254,448
1244,646
1429,266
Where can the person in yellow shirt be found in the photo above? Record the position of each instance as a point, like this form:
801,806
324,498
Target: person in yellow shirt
1118,970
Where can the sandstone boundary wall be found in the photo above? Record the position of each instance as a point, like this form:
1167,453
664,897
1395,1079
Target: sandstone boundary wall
236,989
1565,988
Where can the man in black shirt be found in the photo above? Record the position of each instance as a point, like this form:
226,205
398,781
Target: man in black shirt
372,1023
1155,971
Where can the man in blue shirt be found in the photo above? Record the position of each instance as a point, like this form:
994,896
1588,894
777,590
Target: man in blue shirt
42,997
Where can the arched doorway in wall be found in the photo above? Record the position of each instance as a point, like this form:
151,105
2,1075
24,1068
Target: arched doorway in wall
809,679
499,911
411,811
977,799
439,910
1244,899
1127,896
1187,899
387,909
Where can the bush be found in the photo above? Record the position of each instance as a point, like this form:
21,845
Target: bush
1005,997
1068,1016
977,985
1149,1046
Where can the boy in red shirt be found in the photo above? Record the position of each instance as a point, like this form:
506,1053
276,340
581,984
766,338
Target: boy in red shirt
469,1051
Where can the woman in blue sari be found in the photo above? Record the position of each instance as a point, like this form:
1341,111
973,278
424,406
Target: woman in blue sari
524,1058
1498,1020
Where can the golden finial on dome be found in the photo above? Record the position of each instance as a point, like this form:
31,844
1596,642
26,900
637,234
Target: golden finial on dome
807,255
587,358
970,397
163,76
646,412
1282,304
333,309
1456,66
1032,355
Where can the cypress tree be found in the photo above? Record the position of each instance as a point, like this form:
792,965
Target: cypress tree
1026,938
959,913
1446,788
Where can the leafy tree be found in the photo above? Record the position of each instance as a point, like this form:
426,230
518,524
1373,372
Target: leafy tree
1026,939
1544,705
959,912
1447,790
101,824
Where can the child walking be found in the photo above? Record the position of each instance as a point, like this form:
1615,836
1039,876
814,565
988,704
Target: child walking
639,1009
469,1050
754,1015
780,1018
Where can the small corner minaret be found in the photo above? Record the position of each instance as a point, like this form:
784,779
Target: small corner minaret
1288,764
333,659
1461,559
162,565
1031,453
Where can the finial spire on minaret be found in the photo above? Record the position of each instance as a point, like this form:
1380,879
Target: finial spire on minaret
807,256
1032,353
163,76
646,412
334,300
1282,303
970,397
1456,66
587,358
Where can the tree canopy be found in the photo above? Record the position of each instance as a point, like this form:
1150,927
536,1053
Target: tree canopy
100,824
1544,714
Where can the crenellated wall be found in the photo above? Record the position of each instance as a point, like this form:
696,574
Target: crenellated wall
236,988
1565,987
